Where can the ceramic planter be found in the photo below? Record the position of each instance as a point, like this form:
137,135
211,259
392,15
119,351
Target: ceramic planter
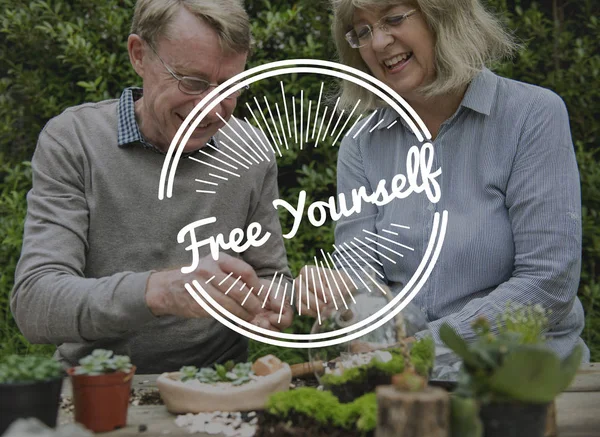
195,397
39,399
513,419
101,401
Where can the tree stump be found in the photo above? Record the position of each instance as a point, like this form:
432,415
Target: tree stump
423,413
551,428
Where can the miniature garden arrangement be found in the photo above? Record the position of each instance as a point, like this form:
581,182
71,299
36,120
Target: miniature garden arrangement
226,387
101,388
510,377
361,373
29,387
376,385
312,412
349,400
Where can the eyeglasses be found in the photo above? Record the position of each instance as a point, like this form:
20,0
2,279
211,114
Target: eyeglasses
194,85
362,35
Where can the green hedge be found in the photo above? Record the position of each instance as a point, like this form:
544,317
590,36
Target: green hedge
55,54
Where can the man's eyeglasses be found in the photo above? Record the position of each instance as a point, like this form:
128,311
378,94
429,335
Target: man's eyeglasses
194,85
362,35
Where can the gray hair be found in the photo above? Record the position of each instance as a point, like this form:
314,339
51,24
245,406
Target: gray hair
151,19
467,38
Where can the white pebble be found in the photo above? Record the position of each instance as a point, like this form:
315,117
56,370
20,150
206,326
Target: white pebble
247,430
196,427
183,420
383,356
229,432
214,428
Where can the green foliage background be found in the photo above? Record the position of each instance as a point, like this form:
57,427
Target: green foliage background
57,53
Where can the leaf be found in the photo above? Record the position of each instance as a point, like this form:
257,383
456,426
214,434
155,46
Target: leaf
458,345
221,371
534,374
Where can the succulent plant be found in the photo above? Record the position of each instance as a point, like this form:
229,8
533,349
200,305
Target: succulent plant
236,374
513,364
102,361
16,368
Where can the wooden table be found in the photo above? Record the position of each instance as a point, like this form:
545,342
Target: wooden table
578,409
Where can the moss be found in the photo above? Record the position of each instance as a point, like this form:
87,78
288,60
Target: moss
365,408
314,403
325,408
395,365
422,355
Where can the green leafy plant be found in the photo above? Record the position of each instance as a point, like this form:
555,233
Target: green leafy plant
512,364
236,374
464,417
16,368
102,361
529,321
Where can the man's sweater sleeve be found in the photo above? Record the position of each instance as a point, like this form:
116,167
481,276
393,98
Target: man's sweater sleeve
52,301
271,257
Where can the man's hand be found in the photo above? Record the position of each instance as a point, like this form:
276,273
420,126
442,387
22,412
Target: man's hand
274,317
323,287
166,293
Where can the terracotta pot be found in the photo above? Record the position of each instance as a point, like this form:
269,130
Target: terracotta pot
39,399
101,401
513,419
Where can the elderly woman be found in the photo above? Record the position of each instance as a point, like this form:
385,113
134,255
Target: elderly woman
509,178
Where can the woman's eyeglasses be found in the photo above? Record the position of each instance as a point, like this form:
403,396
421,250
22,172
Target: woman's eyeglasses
362,35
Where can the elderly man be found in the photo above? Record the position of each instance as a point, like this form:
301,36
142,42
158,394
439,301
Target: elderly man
100,265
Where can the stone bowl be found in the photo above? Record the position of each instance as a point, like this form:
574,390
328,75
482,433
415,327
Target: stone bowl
197,397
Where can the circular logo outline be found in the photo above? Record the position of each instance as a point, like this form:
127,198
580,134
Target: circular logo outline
234,84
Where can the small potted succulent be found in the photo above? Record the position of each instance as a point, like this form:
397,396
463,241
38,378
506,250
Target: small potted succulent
101,387
509,376
30,386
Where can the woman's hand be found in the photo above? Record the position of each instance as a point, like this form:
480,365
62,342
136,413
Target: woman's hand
321,290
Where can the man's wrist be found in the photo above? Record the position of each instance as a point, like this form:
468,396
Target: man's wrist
154,294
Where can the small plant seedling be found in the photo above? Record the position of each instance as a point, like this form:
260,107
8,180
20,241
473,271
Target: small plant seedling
16,368
102,361
236,374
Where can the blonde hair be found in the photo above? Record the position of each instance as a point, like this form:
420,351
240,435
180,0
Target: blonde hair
467,38
151,20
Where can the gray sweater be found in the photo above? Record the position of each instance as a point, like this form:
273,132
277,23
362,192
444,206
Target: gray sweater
95,230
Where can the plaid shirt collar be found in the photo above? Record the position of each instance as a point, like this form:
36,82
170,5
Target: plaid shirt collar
128,131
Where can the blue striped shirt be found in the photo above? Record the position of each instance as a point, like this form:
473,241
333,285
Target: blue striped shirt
511,187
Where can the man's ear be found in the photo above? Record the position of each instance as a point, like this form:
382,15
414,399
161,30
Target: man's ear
135,47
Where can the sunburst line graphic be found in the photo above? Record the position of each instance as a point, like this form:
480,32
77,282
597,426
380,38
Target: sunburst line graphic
269,129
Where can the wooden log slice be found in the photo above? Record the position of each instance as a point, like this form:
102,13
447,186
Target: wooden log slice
551,428
412,414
